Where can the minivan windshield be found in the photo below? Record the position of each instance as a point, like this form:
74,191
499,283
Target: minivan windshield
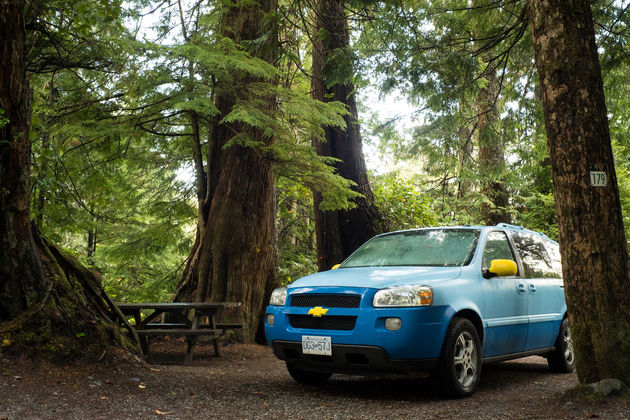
428,247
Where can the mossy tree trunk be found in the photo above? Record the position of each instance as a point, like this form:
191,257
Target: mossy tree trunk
591,232
340,232
22,280
47,300
491,152
234,256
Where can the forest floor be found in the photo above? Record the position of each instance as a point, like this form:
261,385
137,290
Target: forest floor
248,382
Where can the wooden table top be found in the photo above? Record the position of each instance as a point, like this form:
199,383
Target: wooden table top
178,305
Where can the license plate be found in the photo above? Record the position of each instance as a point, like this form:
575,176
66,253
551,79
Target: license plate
316,345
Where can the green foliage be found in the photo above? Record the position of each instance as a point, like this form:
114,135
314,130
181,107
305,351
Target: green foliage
438,53
340,67
442,55
623,182
538,213
296,231
402,203
103,190
112,130
112,137
3,120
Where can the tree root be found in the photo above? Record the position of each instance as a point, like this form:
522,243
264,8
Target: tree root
74,316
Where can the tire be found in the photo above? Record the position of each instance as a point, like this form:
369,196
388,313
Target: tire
562,359
459,368
306,376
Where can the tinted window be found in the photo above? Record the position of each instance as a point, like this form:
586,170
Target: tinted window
554,253
536,260
497,248
431,247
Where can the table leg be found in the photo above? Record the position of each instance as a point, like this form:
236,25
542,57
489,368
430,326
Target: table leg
144,344
192,340
144,341
213,324
215,343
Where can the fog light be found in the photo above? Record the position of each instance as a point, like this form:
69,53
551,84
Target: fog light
270,320
393,324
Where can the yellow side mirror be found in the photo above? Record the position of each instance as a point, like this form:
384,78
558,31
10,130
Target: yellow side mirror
334,267
503,268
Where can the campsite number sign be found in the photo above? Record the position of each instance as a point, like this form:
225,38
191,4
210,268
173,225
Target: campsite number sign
598,179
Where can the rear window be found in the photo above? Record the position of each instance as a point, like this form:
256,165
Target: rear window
536,261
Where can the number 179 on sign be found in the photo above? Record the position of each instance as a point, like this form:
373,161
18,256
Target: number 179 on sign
598,179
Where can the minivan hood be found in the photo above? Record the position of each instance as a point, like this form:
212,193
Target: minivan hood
378,277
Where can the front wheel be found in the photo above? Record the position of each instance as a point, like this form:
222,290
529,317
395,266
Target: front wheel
459,368
307,376
562,359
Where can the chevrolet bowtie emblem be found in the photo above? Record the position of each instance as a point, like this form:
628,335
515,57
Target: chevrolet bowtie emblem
317,311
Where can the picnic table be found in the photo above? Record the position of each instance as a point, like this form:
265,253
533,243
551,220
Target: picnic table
188,319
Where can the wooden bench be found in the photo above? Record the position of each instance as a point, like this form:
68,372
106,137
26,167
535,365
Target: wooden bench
177,325
178,332
181,329
188,317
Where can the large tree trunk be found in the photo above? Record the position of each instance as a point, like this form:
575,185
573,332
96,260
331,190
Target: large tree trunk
339,233
22,280
491,152
592,239
464,159
234,258
47,300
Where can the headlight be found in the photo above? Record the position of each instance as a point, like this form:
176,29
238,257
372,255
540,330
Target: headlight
404,296
278,296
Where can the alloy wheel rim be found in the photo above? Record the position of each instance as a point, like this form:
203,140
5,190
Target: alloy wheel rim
568,346
465,359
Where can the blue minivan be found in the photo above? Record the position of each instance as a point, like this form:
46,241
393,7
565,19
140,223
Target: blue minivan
444,300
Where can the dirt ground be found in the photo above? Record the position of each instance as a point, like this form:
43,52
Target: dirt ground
248,382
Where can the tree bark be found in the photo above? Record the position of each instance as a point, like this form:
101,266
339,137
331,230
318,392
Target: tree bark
591,233
22,280
464,160
340,232
47,300
195,136
491,153
43,167
234,258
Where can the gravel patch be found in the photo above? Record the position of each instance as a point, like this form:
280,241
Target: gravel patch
248,382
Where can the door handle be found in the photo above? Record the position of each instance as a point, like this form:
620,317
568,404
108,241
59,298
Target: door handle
521,288
532,288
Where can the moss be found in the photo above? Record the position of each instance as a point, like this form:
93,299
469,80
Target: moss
582,392
74,319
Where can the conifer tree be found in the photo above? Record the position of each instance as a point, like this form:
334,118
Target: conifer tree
47,299
591,235
234,258
340,232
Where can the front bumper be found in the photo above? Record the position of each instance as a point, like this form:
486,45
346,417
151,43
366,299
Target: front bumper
415,346
349,359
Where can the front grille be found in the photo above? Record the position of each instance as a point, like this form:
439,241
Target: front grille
328,301
333,322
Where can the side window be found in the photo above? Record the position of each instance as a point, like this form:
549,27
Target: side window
554,253
497,248
536,260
